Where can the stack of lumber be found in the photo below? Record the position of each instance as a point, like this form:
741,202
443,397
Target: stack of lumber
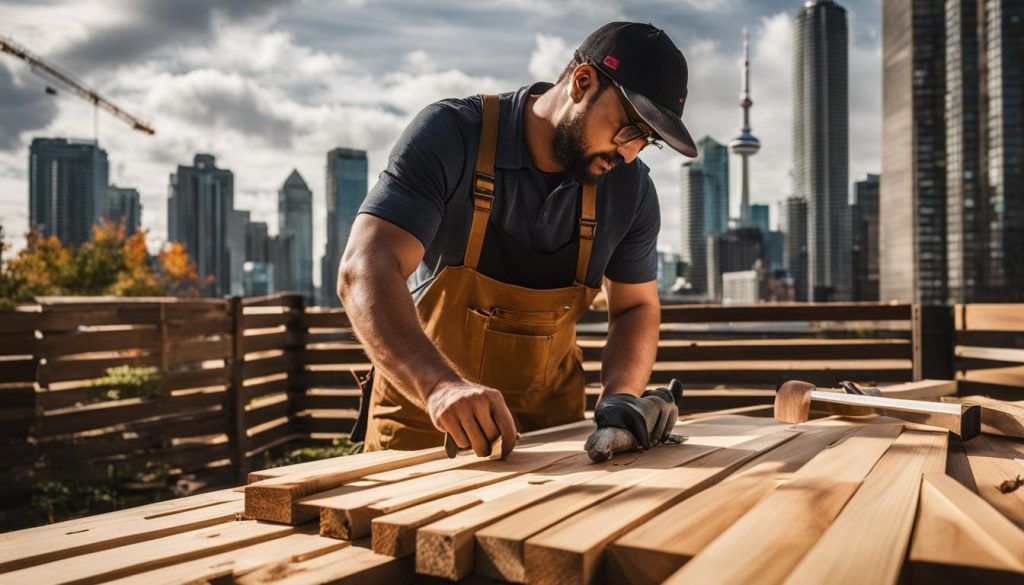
745,499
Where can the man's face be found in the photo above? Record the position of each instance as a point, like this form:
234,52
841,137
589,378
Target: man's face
585,138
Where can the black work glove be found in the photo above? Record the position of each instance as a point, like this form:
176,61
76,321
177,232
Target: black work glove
649,418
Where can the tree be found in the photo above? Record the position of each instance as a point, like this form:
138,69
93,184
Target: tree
109,264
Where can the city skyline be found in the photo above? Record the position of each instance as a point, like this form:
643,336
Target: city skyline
330,91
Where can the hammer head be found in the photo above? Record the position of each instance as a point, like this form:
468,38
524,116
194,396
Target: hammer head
793,401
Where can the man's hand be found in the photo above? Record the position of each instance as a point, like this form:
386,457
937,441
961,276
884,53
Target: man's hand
474,415
647,419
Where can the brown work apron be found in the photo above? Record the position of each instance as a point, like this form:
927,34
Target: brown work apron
519,340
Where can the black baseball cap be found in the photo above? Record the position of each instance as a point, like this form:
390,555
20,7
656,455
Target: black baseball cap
651,72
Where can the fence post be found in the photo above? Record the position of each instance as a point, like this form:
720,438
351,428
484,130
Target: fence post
236,397
296,377
933,338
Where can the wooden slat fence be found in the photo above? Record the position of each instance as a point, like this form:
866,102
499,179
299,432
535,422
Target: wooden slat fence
239,376
990,350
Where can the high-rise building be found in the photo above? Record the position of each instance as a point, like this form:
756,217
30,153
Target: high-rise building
199,214
746,144
714,161
257,242
912,200
668,267
821,144
346,189
238,228
295,218
760,217
67,188
735,250
984,57
774,250
282,250
704,205
864,214
794,225
124,207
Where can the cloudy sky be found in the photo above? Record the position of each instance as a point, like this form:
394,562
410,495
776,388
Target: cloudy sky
272,85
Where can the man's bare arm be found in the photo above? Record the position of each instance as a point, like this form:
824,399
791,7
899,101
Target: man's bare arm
372,276
634,315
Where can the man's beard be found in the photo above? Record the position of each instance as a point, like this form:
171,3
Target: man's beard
571,148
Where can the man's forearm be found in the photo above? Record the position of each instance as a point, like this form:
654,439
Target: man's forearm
631,349
385,320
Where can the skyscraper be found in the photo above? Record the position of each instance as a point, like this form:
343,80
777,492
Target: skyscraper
821,144
864,214
346,190
984,57
746,144
794,225
257,242
714,161
199,214
912,199
295,218
704,199
123,207
67,188
760,217
734,251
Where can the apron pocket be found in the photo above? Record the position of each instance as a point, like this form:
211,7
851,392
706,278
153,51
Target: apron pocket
514,358
515,363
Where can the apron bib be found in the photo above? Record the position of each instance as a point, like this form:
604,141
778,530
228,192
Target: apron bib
518,340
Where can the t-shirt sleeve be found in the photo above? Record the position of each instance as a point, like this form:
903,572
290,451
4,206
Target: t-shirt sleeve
635,259
423,171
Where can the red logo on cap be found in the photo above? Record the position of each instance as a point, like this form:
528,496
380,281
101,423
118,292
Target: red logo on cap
611,62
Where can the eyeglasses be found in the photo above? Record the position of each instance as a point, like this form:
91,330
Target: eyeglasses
633,130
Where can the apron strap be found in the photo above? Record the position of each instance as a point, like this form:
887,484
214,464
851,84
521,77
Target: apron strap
483,181
588,228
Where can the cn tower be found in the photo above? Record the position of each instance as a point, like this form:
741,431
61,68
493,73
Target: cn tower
746,144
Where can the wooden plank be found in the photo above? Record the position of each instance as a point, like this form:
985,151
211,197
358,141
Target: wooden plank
772,312
773,536
994,317
572,551
766,349
233,564
276,499
107,414
80,369
257,368
117,562
198,350
1008,376
17,343
349,353
959,538
17,370
20,321
920,390
352,565
445,548
47,546
657,548
59,344
199,378
993,462
998,354
276,340
394,534
869,539
998,417
266,320
348,514
279,384
820,372
275,300
335,319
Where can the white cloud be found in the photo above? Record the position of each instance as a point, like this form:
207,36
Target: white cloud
550,55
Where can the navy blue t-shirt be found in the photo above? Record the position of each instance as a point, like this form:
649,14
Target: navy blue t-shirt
426,190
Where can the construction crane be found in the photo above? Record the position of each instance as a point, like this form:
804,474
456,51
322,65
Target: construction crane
52,74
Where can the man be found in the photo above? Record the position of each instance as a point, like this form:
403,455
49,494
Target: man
510,212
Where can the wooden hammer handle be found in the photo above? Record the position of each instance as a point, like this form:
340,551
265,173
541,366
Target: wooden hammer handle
961,419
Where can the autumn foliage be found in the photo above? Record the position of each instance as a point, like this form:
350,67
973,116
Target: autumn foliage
109,264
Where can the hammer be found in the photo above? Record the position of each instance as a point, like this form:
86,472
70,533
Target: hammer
794,398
